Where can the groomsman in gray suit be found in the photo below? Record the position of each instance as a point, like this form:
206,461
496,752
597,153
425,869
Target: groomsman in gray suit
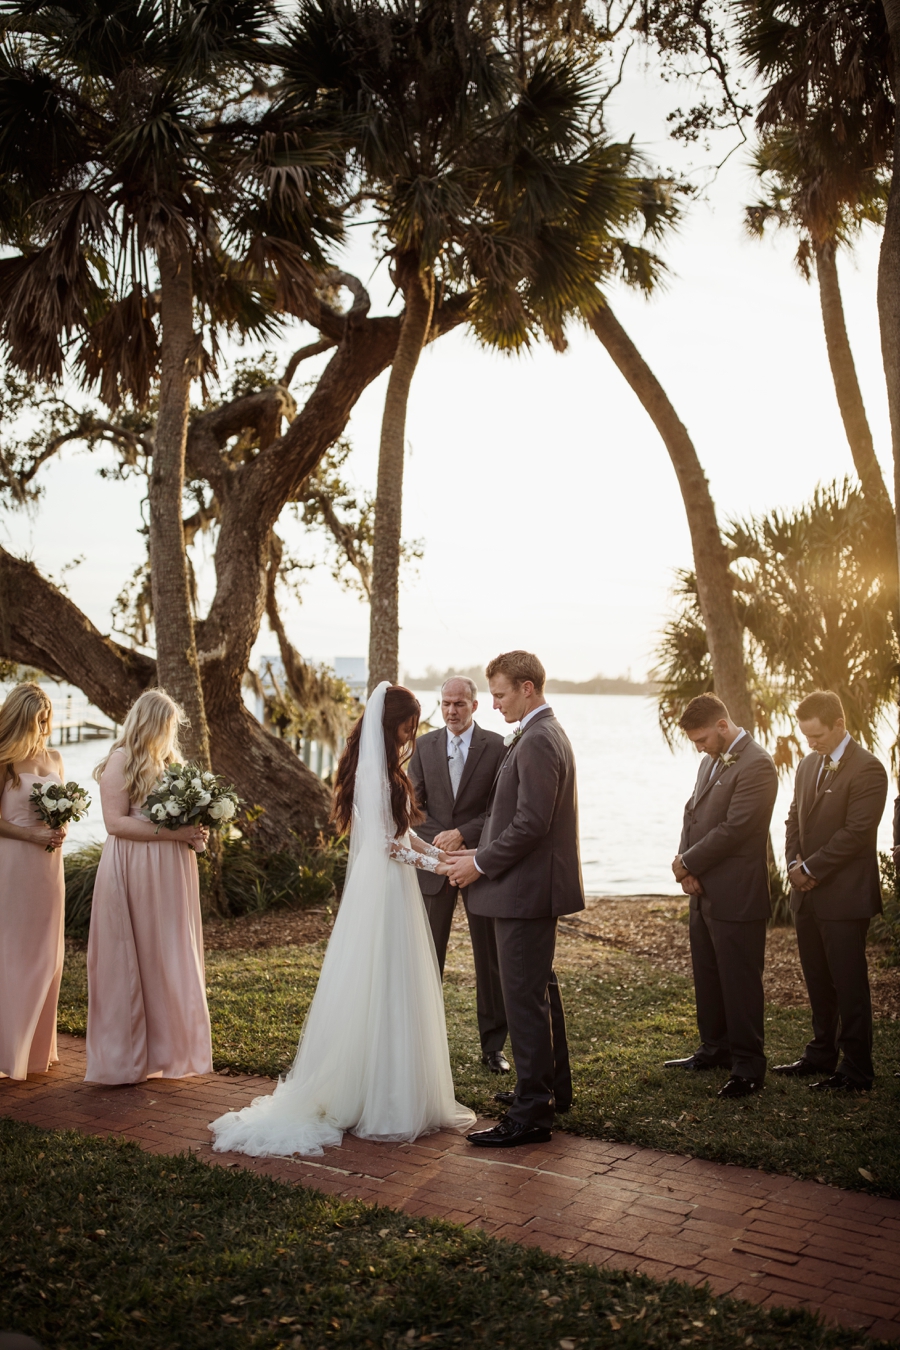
452,771
722,865
524,874
832,854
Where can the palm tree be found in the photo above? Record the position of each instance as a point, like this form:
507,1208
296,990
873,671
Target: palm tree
814,607
160,203
484,168
825,194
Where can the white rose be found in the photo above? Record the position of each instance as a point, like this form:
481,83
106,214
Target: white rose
49,803
158,812
173,808
209,778
62,804
204,799
222,810
197,783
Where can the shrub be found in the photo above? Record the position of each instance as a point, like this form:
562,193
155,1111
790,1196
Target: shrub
886,927
252,880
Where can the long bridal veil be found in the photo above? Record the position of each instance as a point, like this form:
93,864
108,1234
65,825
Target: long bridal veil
373,1054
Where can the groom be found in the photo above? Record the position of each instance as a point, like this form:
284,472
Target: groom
525,872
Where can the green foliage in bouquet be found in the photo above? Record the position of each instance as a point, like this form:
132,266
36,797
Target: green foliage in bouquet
187,795
59,803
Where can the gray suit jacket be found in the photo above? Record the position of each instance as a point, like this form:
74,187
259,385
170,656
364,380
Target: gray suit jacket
529,845
726,831
430,776
835,831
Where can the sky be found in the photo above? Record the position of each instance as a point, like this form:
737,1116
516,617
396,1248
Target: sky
545,502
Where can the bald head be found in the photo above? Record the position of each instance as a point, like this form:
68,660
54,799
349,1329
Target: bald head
458,703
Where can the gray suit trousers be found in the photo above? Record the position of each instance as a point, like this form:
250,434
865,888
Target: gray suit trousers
728,960
833,957
488,992
537,1023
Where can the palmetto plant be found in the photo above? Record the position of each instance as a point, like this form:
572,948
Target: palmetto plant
150,201
816,612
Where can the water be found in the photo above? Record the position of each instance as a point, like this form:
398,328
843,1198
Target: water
631,788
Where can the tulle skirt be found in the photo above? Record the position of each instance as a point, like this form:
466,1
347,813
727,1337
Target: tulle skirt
373,1056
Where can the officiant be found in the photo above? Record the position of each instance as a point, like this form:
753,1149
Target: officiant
452,771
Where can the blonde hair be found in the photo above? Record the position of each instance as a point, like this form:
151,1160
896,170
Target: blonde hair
21,733
149,738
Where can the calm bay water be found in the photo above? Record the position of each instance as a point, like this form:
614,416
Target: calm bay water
631,787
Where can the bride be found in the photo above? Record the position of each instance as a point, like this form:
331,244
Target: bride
373,1056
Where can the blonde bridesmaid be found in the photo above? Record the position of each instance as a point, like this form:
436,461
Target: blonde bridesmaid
147,1013
32,890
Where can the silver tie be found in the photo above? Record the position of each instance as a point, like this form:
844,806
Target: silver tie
457,763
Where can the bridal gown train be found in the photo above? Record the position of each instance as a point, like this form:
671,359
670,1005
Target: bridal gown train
373,1056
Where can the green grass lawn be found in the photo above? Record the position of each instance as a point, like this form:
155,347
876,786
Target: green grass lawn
103,1245
625,1017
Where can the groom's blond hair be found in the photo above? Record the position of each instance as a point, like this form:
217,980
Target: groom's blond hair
518,667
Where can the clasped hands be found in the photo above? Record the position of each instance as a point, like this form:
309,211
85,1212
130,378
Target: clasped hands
456,862
690,884
798,878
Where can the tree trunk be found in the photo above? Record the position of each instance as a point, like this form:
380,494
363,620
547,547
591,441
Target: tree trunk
846,384
889,267
178,671
714,582
384,621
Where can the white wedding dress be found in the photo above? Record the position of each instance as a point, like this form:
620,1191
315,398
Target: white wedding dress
373,1055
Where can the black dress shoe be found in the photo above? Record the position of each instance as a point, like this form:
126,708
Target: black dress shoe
696,1062
839,1082
740,1087
801,1068
507,1099
496,1061
507,1134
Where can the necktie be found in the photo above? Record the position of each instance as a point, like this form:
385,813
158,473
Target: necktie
822,773
457,763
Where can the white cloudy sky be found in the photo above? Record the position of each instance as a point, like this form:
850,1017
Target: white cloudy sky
549,512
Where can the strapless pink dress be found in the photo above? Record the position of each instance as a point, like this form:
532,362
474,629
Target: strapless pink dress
32,918
147,1013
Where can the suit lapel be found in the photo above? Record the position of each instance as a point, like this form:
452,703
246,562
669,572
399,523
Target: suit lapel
846,762
443,766
744,746
476,750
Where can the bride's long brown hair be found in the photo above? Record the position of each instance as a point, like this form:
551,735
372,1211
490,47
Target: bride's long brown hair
400,706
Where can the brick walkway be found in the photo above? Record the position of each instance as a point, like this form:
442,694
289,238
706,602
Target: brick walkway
765,1238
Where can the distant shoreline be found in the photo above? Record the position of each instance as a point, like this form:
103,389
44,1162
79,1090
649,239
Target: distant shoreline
598,685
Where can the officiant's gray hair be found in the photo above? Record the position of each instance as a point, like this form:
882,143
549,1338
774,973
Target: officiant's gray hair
471,686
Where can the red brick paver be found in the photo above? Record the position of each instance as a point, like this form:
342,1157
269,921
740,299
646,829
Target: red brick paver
766,1238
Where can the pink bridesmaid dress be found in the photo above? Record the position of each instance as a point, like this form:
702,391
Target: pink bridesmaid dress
32,918
147,1013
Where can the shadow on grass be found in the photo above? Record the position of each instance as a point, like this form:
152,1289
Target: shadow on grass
625,1018
104,1245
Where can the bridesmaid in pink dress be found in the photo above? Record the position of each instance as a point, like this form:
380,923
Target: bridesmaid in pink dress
147,1013
32,890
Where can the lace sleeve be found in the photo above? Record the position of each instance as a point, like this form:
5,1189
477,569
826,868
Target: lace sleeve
430,849
425,861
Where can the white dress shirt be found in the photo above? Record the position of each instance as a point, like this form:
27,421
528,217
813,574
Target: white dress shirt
465,740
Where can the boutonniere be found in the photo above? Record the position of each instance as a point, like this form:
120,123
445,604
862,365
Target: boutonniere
727,760
832,765
513,736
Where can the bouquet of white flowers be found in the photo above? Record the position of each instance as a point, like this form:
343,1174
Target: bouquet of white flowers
186,795
58,803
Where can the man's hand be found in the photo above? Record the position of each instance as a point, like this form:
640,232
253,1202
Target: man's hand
679,868
691,884
798,878
462,868
448,841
